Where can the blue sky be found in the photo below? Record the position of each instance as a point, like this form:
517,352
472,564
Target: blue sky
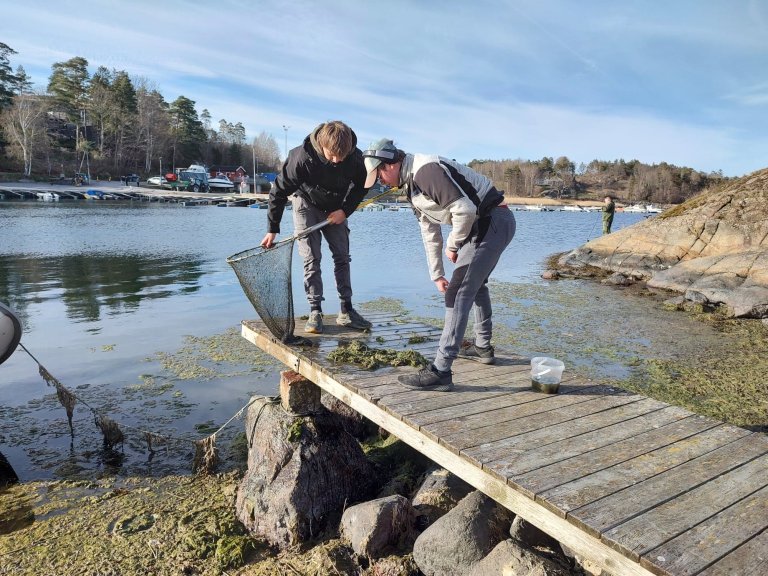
683,81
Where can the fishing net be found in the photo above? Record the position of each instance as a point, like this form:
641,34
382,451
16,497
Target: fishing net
265,275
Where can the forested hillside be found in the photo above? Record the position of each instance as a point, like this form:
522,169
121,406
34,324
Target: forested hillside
110,123
630,181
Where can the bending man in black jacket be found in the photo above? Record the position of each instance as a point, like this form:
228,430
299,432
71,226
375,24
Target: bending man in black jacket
326,175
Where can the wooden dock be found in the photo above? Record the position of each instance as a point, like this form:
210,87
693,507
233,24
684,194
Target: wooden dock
636,485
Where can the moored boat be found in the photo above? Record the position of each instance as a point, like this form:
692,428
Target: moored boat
221,181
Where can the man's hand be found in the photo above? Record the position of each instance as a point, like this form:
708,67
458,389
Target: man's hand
452,255
269,240
337,217
442,284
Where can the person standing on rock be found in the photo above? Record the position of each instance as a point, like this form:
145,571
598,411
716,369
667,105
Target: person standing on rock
609,208
444,192
326,177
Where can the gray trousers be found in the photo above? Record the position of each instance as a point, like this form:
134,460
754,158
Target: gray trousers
469,286
337,236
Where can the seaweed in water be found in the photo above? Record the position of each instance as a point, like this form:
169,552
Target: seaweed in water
111,431
206,455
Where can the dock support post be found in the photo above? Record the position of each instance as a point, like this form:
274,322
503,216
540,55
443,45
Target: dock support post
299,395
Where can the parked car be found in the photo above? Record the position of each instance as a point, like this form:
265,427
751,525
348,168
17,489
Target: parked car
156,180
130,179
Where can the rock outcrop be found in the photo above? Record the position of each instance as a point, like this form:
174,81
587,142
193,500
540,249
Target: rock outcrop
713,247
302,471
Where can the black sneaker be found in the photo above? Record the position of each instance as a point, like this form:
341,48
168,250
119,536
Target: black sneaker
428,379
352,319
474,352
314,323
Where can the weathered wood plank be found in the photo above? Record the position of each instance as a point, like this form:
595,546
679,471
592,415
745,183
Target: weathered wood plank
513,456
525,403
711,540
536,481
459,416
625,504
650,530
586,489
541,413
750,559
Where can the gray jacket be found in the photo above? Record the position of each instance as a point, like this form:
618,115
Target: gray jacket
443,191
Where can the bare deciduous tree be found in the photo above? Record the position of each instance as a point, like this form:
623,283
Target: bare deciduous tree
24,124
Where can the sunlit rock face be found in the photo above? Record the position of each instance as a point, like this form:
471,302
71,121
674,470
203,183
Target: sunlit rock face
713,247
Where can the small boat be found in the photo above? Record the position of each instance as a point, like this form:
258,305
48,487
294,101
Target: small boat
10,332
652,209
571,208
221,181
637,208
47,196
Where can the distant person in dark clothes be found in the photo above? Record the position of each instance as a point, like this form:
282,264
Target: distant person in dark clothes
609,208
326,177
444,192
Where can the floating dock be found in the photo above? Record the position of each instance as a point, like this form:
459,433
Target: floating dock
635,485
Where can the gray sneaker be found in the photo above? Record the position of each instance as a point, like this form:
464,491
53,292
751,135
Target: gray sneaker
314,323
352,319
428,379
474,352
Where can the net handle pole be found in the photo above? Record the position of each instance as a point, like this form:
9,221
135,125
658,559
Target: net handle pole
319,225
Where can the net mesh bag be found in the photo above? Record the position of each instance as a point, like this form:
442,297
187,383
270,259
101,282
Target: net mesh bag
265,275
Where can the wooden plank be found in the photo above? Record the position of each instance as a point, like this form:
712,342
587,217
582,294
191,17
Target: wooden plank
650,530
513,456
503,382
586,489
708,542
459,416
542,413
546,477
749,559
525,403
625,504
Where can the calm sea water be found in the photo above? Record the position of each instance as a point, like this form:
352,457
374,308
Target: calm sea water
102,288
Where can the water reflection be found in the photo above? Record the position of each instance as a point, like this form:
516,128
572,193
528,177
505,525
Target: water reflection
89,285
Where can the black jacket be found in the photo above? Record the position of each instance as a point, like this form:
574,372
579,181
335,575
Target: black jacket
328,186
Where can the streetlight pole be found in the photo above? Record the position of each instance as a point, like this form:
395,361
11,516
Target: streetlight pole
285,128
253,149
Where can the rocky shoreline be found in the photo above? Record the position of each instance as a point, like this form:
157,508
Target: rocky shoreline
713,249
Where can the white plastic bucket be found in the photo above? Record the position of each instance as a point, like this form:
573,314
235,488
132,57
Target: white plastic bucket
546,373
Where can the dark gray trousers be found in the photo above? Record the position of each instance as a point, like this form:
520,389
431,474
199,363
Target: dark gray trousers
469,286
337,236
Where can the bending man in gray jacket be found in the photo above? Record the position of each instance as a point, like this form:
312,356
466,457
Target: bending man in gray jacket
442,191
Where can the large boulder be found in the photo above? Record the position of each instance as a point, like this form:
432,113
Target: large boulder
302,471
714,246
463,537
438,494
373,528
510,558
